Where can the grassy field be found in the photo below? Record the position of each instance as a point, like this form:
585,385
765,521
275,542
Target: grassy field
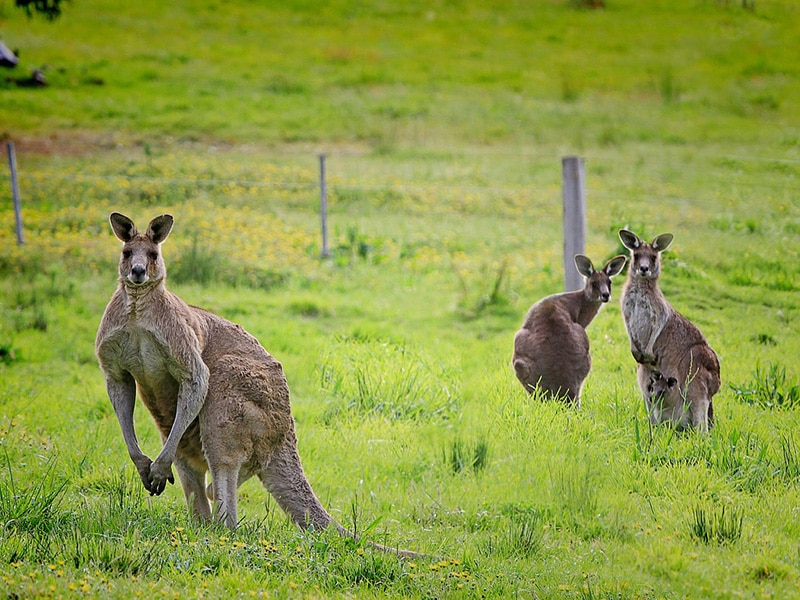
444,125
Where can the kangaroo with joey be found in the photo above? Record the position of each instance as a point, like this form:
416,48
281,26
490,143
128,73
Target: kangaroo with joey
664,341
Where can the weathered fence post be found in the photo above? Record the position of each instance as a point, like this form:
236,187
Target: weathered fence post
12,164
323,206
573,179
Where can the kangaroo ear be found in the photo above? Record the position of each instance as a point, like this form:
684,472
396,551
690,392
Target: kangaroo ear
584,265
662,242
123,227
159,228
629,239
615,265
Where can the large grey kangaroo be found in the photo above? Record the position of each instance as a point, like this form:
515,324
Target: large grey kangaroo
551,349
219,399
664,341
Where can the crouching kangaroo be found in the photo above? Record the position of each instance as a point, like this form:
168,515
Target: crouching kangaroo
219,399
664,341
551,350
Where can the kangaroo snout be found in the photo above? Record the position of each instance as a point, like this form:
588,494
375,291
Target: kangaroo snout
138,274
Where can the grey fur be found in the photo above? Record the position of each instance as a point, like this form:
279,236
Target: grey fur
662,340
219,399
551,350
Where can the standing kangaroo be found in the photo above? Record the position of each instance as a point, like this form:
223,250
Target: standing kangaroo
219,399
664,341
551,350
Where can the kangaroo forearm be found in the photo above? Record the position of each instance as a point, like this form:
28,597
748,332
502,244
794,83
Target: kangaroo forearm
123,396
191,396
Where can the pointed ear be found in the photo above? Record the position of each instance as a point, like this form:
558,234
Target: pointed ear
615,265
584,265
662,242
159,228
629,239
123,227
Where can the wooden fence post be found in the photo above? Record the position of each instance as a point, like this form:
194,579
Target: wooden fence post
573,179
12,164
323,206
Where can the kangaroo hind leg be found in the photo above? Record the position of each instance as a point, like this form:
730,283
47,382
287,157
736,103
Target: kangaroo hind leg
225,483
193,481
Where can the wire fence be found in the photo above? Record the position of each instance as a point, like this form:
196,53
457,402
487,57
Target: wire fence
270,206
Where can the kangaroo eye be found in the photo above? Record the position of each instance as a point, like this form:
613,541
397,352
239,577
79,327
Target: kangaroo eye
126,254
153,256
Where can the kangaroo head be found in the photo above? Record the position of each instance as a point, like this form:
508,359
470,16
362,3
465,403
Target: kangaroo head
645,258
659,386
141,259
598,283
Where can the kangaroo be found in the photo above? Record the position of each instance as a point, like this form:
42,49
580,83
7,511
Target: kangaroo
551,350
663,340
219,399
663,397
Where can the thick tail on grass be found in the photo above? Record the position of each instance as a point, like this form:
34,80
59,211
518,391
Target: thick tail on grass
284,478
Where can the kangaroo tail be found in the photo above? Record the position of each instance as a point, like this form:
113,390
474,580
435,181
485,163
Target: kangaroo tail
284,478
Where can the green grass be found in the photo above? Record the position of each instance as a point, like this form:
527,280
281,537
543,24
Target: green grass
444,125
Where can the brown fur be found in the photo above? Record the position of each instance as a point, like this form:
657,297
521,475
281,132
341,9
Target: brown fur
663,398
551,350
664,341
219,399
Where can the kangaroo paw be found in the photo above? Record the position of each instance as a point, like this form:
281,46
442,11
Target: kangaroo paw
158,476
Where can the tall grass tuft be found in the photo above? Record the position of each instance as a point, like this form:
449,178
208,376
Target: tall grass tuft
790,463
521,536
489,295
370,568
575,490
30,505
716,527
461,456
770,388
203,265
26,305
197,265
370,376
114,553
743,458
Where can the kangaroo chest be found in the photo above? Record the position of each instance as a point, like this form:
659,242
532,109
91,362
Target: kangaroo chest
644,315
141,353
